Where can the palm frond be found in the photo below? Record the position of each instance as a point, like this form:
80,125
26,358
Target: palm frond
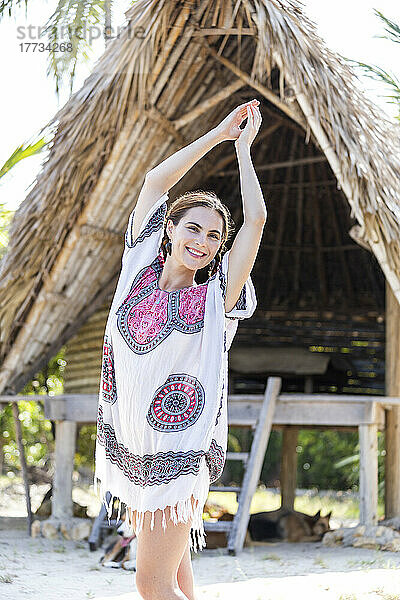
26,149
379,74
392,29
70,25
10,6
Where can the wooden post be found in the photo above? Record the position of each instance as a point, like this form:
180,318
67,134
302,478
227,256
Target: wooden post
22,460
392,385
62,506
288,474
368,474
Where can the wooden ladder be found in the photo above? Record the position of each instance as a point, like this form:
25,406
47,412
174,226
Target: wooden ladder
253,462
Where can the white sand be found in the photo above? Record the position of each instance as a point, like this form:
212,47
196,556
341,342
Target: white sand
49,570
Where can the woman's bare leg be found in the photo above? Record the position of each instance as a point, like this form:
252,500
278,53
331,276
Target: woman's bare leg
159,556
185,571
185,574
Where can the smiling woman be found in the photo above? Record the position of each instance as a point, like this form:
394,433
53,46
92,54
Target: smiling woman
162,418
197,227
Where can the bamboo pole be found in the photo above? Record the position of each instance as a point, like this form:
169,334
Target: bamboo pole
268,94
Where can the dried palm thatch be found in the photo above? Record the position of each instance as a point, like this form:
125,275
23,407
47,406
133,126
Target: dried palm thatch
173,63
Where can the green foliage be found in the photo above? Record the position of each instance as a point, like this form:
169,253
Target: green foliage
69,24
85,446
37,436
377,73
22,152
6,216
327,459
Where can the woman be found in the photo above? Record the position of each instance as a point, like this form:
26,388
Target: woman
162,417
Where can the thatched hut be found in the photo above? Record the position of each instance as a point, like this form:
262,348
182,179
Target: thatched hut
329,167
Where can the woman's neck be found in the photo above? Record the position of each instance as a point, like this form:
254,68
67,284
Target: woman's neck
175,276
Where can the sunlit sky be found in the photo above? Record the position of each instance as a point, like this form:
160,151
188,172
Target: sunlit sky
28,98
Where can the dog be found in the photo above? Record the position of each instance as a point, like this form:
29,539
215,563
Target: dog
288,525
279,525
122,552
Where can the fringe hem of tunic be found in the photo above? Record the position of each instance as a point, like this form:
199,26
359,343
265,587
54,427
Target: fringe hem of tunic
180,513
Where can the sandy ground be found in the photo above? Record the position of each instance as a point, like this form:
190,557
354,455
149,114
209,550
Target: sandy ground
64,570
50,570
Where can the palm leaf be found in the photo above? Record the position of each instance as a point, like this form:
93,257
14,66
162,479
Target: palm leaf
70,24
23,151
347,461
392,29
10,5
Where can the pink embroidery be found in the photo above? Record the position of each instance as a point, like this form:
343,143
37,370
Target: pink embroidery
148,318
192,304
148,314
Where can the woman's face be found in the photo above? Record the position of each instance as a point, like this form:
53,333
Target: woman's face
197,237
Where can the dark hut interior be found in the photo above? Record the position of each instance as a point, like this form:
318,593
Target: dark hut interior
319,323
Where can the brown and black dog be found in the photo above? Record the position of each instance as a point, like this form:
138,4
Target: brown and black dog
277,525
288,525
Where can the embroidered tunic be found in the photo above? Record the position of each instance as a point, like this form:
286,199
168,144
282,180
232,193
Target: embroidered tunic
162,413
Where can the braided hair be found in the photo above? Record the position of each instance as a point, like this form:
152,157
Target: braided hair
189,200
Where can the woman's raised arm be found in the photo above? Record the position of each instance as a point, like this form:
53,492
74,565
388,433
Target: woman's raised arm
247,241
164,176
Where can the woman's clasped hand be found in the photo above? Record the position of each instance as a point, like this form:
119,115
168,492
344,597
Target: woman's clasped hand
229,128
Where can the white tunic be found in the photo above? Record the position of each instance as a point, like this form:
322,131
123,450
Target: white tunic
162,414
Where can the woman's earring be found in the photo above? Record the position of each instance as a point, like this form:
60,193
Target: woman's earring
168,247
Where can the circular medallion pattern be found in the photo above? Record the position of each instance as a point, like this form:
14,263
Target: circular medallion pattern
177,404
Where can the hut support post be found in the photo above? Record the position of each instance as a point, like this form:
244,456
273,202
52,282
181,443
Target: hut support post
289,466
368,436
24,468
392,426
64,463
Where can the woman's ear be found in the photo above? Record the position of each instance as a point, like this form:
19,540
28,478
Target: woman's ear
169,228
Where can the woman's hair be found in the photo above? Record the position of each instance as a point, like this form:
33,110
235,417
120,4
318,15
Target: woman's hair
189,200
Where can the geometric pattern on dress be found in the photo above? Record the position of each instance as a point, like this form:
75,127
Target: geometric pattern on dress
222,280
241,303
109,387
154,224
149,314
177,404
215,458
220,403
149,469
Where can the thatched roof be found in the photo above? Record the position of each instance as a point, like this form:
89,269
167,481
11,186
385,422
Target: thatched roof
164,82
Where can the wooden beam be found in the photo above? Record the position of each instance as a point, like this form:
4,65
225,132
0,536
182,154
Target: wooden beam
206,105
281,165
392,385
311,248
254,466
291,112
231,156
291,409
221,31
